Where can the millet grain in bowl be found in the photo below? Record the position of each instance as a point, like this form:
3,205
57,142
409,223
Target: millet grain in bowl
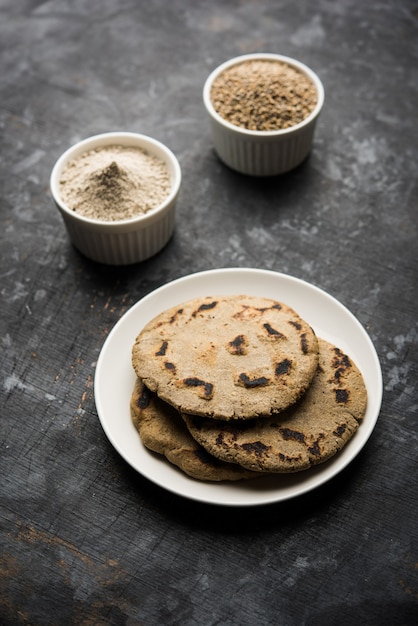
114,182
263,110
263,95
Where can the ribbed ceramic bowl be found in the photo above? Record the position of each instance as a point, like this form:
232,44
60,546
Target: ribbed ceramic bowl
126,241
262,153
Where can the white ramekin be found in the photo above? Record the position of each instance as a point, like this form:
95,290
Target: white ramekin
126,241
262,153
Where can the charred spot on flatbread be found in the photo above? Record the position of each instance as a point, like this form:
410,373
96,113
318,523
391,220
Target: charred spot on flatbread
204,388
238,346
206,306
273,332
283,367
251,381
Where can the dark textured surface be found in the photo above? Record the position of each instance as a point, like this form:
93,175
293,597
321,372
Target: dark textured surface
84,538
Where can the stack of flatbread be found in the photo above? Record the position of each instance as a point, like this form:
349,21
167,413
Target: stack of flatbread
237,387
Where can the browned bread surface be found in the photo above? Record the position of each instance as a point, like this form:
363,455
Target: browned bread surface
310,432
163,431
227,357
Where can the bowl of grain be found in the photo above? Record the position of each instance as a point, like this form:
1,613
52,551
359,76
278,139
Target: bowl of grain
263,110
117,193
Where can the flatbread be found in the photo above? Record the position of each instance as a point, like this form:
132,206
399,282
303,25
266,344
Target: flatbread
227,357
309,433
162,430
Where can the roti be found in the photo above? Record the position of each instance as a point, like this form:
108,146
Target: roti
162,430
227,357
309,433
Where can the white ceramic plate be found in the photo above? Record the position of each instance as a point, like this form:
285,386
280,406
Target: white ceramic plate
114,381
